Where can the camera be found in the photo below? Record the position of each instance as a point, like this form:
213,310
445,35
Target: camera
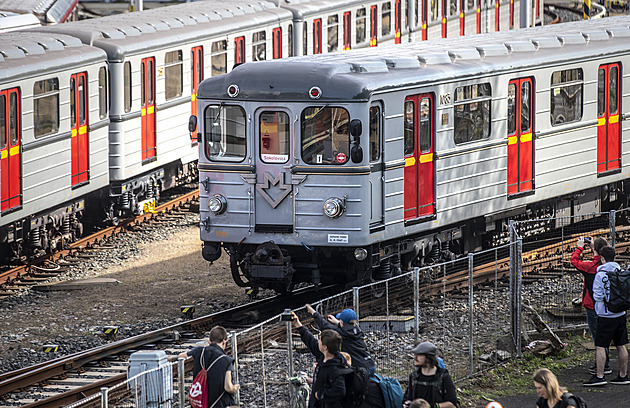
286,317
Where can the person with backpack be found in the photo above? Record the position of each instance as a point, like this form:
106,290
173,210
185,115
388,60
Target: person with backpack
429,381
611,326
346,324
219,390
588,269
328,388
551,394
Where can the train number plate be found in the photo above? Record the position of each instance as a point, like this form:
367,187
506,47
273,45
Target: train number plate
337,239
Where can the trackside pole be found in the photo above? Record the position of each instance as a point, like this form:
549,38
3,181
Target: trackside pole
180,381
587,9
471,315
525,13
416,303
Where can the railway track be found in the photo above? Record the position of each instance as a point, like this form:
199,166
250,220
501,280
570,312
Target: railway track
52,265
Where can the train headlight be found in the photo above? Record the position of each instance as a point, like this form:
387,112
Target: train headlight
217,204
333,207
360,254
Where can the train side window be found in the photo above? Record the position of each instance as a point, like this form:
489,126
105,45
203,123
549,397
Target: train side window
290,40
73,99
325,135
435,4
409,138
259,46
386,18
218,57
613,106
472,113
511,113
425,125
317,36
566,96
360,25
453,8
305,40
127,86
46,106
526,106
225,135
274,137
102,93
375,133
333,33
173,73
239,50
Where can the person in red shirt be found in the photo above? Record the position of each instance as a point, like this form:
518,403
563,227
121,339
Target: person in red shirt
588,269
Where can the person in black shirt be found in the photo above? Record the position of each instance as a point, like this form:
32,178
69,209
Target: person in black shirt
428,381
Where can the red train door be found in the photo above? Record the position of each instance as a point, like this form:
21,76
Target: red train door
398,23
608,129
347,30
418,149
277,43
196,54
239,50
373,26
10,150
317,36
520,168
148,108
78,120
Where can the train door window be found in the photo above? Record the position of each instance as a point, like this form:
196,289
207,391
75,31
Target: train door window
147,92
608,129
274,137
566,96
375,133
10,150
79,130
239,50
347,31
520,167
317,36
225,133
333,33
472,113
259,46
305,40
173,73
290,41
277,43
419,200
360,26
397,22
102,93
325,135
386,18
218,57
46,106
373,26
196,76
127,86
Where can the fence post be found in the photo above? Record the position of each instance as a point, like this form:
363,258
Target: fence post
416,303
234,346
515,291
355,301
104,397
471,315
180,381
519,294
611,224
289,344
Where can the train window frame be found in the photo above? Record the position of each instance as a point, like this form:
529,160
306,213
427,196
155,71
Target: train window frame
281,140
127,86
317,36
259,46
409,135
173,74
375,133
218,57
338,149
224,151
333,32
472,104
3,122
239,50
305,39
568,80
386,18
46,97
361,25
103,103
290,40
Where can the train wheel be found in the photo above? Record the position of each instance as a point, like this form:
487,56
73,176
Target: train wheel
236,275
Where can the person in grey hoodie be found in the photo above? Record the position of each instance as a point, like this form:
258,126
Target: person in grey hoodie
611,326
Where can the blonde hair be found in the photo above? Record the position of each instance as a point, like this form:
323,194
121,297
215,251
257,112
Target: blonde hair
347,357
550,381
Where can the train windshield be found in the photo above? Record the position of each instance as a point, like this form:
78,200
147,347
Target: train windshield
325,135
224,135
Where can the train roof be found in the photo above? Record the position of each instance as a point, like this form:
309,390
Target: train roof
356,74
127,34
24,54
304,8
49,11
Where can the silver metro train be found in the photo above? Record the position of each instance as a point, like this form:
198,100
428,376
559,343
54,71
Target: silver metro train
94,112
353,166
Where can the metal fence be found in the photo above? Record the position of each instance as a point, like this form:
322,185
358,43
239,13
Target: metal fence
475,326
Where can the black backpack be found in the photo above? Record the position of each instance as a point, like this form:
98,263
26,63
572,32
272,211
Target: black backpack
575,400
356,379
619,283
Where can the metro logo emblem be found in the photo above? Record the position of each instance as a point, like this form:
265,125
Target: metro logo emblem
268,182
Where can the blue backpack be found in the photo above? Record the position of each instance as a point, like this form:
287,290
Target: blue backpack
391,389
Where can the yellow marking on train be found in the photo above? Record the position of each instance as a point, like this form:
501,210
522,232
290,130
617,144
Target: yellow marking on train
424,26
193,97
601,121
512,140
426,158
83,129
144,111
461,15
613,119
478,10
526,138
443,21
151,109
14,150
4,154
410,161
74,132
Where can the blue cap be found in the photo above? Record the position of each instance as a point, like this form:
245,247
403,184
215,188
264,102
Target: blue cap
347,315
